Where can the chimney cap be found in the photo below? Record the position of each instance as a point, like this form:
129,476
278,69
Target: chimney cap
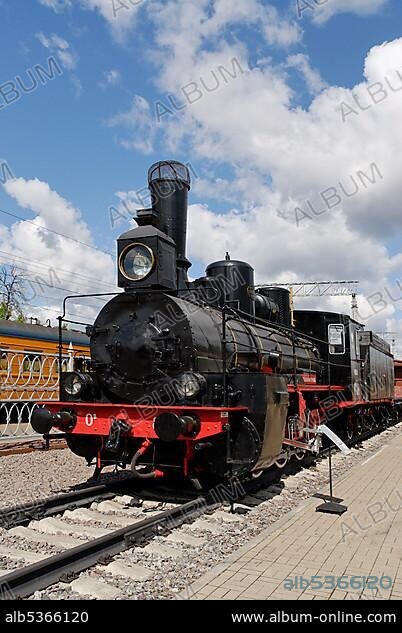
169,170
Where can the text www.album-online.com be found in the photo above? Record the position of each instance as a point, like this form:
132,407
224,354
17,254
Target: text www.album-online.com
339,617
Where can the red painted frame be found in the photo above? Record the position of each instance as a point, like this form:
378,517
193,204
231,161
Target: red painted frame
96,418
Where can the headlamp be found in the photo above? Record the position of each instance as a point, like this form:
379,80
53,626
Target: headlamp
189,385
136,262
76,384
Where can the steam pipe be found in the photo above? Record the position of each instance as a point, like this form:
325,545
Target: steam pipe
154,474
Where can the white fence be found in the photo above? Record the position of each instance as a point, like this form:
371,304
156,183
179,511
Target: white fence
25,379
15,419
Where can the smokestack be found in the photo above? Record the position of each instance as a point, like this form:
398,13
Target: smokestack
169,184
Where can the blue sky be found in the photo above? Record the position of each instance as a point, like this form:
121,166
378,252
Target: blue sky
62,138
91,132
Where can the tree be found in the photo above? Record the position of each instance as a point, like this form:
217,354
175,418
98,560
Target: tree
12,282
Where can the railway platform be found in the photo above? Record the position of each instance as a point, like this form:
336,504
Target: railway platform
363,542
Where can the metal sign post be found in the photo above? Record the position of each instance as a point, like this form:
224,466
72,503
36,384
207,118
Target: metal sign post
331,505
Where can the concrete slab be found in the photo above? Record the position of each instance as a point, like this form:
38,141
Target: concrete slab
16,553
205,526
54,525
88,515
115,507
128,500
127,570
87,586
187,539
60,540
226,517
162,550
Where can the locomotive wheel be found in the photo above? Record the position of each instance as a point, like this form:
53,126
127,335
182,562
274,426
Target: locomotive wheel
370,421
84,446
282,460
300,454
350,428
377,422
391,418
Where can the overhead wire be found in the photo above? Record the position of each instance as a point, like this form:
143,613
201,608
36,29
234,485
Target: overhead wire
37,264
44,228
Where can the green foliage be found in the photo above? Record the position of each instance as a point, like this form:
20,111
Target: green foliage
4,310
10,315
11,293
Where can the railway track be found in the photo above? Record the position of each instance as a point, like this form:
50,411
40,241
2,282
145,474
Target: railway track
95,524
21,515
39,575
96,512
10,446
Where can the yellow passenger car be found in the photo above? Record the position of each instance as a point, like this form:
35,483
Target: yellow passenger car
29,363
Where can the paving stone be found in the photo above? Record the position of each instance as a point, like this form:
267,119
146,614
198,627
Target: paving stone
306,543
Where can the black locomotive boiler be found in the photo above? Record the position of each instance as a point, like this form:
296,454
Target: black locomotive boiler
214,376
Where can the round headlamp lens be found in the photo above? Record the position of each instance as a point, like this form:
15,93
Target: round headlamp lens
73,384
189,385
137,262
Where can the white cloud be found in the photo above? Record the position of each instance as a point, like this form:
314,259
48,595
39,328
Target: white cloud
284,155
79,268
110,78
140,122
120,15
278,31
394,326
57,5
77,85
61,48
326,11
313,79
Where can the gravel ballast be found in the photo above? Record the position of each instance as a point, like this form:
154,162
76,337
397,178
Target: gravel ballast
31,476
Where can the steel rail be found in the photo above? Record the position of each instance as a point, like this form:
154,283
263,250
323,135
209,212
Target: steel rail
42,508
25,581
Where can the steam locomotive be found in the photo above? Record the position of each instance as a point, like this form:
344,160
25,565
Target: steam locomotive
215,377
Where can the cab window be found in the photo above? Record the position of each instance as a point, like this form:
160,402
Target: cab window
336,338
